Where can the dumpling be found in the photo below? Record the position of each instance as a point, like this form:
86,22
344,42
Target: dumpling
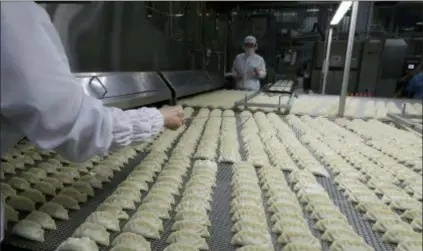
42,218
95,232
11,215
7,190
7,168
349,245
34,195
30,177
29,230
180,247
21,203
340,234
123,247
412,214
256,248
45,188
417,224
64,178
385,224
74,193
134,195
299,236
193,216
54,210
188,238
191,227
84,187
279,227
54,182
19,183
153,219
322,225
71,172
49,168
66,201
161,211
142,227
298,246
131,240
251,238
115,210
106,219
38,172
123,202
78,244
400,234
409,246
92,180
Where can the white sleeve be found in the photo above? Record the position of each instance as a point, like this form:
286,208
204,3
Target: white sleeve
262,69
40,97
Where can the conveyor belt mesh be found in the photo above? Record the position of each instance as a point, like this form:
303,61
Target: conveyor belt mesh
221,222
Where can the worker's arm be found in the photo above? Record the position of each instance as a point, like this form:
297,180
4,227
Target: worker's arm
40,97
234,72
260,71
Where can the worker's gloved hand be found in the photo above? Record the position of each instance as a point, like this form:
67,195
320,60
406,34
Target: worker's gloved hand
173,116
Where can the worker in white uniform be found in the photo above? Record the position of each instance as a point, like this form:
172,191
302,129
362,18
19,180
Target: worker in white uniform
41,99
248,67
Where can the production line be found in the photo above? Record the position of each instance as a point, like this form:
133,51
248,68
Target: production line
228,180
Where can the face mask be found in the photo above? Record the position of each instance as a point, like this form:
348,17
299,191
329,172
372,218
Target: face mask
249,51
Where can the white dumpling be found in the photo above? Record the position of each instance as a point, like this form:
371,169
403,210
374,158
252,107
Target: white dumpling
161,211
11,215
106,219
180,247
122,247
66,201
349,245
193,216
243,238
417,224
84,187
19,183
54,182
7,190
8,168
188,238
298,246
115,210
123,202
409,246
29,230
78,244
92,180
397,234
42,218
191,227
38,172
74,193
49,168
34,195
131,240
153,219
142,227
64,178
95,232
21,203
45,188
55,210
340,234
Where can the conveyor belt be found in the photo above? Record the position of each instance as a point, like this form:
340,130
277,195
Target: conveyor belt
221,223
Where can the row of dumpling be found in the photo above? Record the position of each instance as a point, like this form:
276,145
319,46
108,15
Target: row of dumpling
168,137
109,213
298,153
252,144
223,99
68,198
229,144
371,162
247,210
330,220
191,220
275,150
349,179
287,217
207,148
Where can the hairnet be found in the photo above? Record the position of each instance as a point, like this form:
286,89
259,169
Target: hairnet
250,40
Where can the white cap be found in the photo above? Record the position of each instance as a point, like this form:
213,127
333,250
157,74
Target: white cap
250,40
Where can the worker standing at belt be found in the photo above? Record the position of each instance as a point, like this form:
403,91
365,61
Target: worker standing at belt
248,67
41,99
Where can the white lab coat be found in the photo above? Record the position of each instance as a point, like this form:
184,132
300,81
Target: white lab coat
242,69
41,100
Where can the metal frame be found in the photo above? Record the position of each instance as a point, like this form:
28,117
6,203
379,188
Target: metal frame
245,101
404,121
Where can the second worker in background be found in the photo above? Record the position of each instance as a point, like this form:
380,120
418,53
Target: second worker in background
248,67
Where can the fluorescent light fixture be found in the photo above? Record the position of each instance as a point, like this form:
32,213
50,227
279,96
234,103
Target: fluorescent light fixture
340,12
